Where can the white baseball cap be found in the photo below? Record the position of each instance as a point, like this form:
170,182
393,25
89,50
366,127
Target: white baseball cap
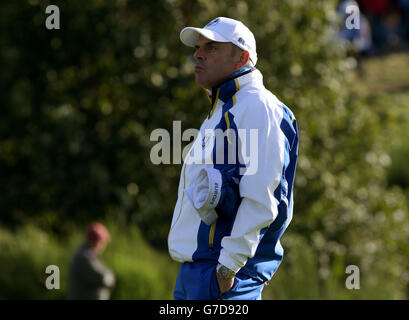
223,29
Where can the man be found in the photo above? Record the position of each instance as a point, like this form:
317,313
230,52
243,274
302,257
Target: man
231,213
89,279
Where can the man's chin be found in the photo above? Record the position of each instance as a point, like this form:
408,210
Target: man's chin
201,82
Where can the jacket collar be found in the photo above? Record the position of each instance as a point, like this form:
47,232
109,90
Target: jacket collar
228,88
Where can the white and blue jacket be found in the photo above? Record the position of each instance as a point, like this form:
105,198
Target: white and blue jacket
246,235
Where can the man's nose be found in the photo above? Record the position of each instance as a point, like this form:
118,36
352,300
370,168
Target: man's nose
198,55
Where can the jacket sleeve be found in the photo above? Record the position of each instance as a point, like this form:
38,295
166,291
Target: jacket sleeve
258,207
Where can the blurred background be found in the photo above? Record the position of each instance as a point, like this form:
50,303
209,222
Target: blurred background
78,106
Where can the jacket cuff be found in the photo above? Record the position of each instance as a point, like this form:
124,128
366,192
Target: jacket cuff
226,260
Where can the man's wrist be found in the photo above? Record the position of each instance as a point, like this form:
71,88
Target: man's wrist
225,272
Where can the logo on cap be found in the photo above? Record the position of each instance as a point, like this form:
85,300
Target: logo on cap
213,22
241,41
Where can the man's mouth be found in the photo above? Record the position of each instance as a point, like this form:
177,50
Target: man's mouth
198,68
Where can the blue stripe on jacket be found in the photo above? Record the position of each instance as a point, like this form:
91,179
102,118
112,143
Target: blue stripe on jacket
224,223
269,253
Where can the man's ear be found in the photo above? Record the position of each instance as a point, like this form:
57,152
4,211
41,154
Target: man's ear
244,58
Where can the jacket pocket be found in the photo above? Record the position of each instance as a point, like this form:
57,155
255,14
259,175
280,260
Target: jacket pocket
232,290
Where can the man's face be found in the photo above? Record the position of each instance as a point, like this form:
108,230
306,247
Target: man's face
100,246
214,62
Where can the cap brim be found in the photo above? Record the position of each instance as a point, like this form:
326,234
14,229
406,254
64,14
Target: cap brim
190,35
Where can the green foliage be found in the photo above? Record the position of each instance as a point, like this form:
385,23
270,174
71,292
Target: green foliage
24,256
141,271
297,277
398,174
138,268
79,104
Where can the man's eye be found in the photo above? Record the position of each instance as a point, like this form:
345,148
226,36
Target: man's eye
211,48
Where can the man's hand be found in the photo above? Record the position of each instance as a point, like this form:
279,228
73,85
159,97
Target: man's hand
225,284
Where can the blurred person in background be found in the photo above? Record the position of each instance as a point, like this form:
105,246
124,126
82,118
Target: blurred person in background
89,278
385,22
360,38
404,7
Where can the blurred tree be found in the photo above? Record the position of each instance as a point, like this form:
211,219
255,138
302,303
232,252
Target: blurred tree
79,104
